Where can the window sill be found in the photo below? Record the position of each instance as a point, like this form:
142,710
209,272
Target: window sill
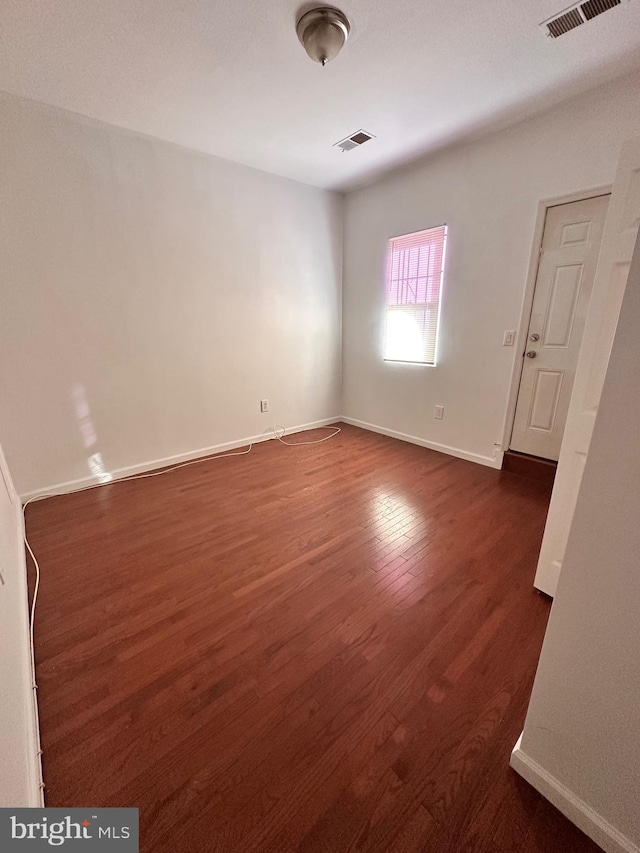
400,361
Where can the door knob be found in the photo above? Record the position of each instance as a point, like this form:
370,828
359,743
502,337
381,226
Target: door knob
532,353
534,337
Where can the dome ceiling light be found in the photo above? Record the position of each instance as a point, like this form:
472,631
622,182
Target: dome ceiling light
323,32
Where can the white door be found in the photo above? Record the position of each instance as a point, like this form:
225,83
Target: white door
566,270
621,229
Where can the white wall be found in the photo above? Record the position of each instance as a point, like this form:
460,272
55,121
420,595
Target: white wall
152,296
488,193
580,743
19,761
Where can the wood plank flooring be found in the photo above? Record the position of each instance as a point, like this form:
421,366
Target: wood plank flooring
324,648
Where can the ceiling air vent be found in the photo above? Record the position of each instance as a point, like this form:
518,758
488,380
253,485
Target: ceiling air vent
565,22
354,141
596,7
576,16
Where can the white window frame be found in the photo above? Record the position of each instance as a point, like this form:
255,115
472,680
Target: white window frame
411,308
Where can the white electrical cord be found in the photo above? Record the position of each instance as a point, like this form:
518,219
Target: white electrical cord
280,437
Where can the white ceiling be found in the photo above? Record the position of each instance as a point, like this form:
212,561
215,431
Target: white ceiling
229,77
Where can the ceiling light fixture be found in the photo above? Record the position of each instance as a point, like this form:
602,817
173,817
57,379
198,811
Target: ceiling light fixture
323,32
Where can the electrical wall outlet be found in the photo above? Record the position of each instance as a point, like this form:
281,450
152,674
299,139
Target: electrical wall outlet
509,338
264,405
438,412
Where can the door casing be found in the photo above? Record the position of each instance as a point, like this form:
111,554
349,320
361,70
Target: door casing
527,300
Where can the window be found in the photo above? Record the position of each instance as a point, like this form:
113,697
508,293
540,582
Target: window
415,265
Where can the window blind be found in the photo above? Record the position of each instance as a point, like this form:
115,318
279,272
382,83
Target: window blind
415,267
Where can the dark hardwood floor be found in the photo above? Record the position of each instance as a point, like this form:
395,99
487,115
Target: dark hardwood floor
325,648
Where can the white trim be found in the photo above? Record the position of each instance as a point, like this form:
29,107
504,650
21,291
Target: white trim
36,782
32,751
527,299
130,470
580,813
489,461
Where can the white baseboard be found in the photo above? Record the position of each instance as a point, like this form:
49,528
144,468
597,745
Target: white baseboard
582,815
489,461
143,467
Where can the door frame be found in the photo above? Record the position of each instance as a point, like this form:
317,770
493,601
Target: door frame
527,299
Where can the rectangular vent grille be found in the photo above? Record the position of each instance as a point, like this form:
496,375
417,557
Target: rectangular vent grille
576,16
562,24
596,7
354,141
347,144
